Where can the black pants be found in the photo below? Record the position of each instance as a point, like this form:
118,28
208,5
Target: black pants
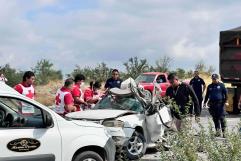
217,112
200,100
219,123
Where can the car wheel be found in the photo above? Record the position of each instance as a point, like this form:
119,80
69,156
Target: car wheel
88,156
136,146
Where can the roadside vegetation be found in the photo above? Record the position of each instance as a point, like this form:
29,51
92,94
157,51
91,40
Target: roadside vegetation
49,79
200,143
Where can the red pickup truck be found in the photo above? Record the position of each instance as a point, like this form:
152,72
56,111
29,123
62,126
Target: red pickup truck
148,79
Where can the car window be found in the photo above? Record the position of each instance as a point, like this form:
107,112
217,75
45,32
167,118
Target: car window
18,113
145,78
161,79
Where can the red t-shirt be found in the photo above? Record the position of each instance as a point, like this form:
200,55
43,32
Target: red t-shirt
68,99
19,89
76,91
88,94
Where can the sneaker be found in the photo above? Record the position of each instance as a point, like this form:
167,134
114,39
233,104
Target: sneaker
224,135
218,134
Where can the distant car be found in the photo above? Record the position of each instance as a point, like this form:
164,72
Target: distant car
147,80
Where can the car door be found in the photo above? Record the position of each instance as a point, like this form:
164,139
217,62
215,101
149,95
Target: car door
23,132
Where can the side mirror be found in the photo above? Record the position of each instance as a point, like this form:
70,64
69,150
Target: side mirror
48,121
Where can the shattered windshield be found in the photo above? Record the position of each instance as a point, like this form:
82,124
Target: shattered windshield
119,103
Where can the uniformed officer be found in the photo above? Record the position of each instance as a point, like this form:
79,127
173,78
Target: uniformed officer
114,81
217,96
199,87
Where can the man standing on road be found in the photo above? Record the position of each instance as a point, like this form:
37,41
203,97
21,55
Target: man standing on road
26,87
199,87
181,94
114,81
77,93
216,96
64,102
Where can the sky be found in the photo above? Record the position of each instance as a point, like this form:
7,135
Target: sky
88,32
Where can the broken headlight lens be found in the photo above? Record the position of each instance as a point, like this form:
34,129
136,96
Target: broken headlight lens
113,123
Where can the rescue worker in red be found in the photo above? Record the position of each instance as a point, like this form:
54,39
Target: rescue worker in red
26,87
91,94
64,102
77,92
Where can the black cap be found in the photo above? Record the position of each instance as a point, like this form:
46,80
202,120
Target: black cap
215,76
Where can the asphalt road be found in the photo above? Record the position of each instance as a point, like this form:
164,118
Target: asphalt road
232,124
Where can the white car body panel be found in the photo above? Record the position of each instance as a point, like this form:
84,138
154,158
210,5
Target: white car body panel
62,140
97,114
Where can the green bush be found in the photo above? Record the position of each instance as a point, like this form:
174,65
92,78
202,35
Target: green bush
192,145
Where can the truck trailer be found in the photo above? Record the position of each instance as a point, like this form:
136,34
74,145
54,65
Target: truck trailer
230,65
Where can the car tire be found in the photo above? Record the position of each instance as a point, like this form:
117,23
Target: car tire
136,146
85,156
121,153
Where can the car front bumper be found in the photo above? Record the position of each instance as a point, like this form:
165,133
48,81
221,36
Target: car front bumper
120,135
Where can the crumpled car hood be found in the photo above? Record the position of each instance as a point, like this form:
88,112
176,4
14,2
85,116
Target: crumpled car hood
100,114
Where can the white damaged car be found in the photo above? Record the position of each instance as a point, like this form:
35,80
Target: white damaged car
129,118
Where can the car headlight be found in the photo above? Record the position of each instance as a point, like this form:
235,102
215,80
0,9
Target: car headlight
113,123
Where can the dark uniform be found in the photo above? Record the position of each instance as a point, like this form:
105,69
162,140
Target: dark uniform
217,95
181,94
112,83
197,84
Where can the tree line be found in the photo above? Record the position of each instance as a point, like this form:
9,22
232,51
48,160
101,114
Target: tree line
45,71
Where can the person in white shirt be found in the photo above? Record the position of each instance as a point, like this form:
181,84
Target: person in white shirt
3,78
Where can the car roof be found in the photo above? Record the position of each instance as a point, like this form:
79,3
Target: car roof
5,89
153,73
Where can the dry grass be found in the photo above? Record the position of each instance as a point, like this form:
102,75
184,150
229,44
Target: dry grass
46,94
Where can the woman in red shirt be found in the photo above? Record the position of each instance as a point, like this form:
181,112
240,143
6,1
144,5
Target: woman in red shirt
91,94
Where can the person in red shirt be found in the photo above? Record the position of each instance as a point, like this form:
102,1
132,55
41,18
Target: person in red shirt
91,94
26,87
77,93
64,102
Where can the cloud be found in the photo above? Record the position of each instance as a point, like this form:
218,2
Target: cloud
46,2
112,31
